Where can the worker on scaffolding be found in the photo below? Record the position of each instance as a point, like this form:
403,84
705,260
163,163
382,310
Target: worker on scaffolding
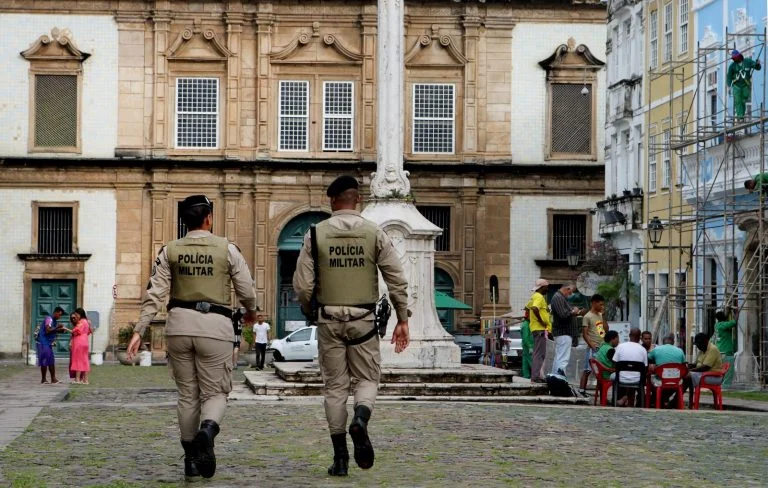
739,80
759,183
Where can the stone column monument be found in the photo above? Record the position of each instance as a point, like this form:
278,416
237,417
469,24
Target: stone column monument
391,207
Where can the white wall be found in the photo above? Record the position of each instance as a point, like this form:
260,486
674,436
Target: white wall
96,235
94,34
532,43
529,234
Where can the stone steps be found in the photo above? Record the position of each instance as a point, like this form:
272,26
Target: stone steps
268,384
468,373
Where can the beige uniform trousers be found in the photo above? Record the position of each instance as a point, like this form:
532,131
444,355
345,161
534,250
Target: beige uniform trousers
202,369
347,368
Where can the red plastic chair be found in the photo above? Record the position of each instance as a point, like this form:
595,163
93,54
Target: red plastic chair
603,385
671,376
717,390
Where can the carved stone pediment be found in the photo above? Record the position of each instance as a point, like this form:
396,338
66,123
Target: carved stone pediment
314,48
56,47
435,49
570,56
195,44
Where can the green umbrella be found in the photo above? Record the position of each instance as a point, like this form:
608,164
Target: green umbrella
447,302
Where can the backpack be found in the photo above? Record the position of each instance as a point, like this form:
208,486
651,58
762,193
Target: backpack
559,387
37,333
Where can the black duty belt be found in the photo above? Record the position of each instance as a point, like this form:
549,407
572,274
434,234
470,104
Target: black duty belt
370,307
203,307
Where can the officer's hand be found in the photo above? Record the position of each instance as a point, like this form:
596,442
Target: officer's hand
400,336
250,317
133,346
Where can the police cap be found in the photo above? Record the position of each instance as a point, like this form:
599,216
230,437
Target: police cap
195,201
342,184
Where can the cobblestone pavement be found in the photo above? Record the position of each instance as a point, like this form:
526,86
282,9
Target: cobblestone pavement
125,439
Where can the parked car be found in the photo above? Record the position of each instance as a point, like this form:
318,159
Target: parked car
300,345
470,353
513,346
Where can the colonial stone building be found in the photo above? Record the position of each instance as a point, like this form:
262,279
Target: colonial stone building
115,111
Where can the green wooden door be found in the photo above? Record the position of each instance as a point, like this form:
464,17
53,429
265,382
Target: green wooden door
47,295
289,244
444,283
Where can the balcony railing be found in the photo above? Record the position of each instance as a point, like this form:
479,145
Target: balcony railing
621,213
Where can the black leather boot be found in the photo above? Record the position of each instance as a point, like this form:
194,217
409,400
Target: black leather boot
206,459
340,455
190,458
358,431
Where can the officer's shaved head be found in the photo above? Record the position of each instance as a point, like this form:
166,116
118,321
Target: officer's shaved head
346,200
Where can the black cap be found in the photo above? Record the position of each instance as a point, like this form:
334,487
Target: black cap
195,201
342,184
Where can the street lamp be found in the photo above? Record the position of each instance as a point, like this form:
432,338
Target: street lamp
572,255
655,229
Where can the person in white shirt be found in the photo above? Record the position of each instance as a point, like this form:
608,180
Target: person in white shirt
630,351
260,339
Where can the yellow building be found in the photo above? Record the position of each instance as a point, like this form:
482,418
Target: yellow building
670,59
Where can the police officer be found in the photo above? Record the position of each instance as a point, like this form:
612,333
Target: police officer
197,273
349,251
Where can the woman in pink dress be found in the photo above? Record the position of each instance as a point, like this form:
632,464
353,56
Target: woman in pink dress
79,348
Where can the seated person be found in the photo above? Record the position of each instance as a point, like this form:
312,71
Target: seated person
667,353
605,354
630,351
708,359
647,341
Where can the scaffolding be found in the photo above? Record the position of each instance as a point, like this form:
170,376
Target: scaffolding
713,149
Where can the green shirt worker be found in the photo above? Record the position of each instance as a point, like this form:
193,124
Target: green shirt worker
197,273
739,80
344,286
758,183
724,329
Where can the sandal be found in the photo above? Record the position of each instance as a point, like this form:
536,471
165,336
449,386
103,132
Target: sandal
44,383
57,382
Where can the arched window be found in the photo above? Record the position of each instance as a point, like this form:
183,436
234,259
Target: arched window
494,289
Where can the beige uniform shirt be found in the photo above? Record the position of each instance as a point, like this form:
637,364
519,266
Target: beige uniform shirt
182,321
387,261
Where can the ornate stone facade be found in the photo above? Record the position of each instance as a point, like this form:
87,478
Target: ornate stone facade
249,48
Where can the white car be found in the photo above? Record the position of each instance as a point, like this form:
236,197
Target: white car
513,343
300,345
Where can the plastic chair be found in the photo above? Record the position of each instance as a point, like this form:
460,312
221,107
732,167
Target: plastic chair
717,390
603,385
639,386
671,376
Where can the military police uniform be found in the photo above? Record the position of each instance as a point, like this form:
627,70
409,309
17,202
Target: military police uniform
349,249
197,273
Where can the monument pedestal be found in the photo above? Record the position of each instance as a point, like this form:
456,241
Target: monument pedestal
414,239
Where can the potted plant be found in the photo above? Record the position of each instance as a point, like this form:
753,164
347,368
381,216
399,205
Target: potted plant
250,355
627,193
637,191
124,335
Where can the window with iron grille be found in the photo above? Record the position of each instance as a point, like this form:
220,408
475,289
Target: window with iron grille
683,26
338,110
652,155
666,164
197,113
55,111
54,230
293,116
181,227
568,231
571,119
668,32
653,24
433,118
441,217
